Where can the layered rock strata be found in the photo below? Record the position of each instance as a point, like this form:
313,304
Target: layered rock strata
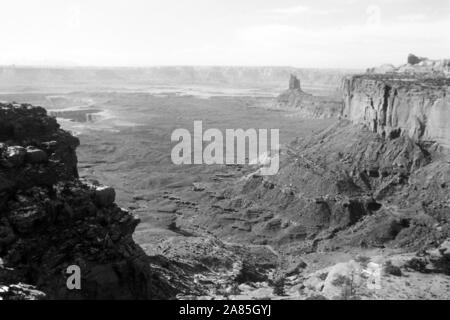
391,105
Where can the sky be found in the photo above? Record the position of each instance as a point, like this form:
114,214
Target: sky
298,33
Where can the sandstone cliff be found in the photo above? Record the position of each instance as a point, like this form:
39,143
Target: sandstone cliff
392,105
49,219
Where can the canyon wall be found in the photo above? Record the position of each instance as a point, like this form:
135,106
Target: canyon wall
33,78
395,104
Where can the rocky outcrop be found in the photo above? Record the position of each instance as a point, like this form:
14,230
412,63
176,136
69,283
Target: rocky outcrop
306,105
392,105
418,66
294,82
293,97
49,220
413,59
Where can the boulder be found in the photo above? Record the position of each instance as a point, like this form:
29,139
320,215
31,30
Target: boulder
296,269
198,186
49,145
3,147
413,59
35,155
444,249
7,235
20,291
24,219
16,155
385,68
104,196
341,277
440,257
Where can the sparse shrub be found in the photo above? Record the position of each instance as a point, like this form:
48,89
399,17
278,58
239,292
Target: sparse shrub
278,286
220,292
363,261
341,281
249,273
346,294
231,290
234,290
417,264
323,276
389,268
348,287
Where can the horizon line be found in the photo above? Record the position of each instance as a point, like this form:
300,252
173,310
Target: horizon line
62,66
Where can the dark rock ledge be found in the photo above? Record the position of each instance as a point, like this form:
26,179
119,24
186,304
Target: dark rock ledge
50,219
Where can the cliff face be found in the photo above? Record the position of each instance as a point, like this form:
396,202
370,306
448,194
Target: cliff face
49,220
392,105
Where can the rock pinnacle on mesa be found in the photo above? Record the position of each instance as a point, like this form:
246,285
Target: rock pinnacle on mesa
294,82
